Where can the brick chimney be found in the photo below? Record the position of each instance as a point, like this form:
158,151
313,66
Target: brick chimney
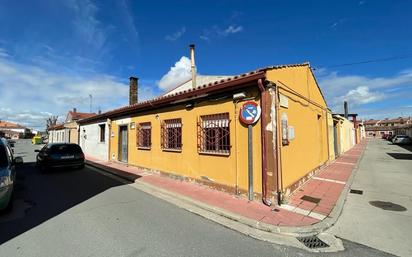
133,91
74,110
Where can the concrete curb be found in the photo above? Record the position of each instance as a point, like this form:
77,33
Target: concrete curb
232,221
276,234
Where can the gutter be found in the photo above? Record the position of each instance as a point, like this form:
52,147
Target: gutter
237,82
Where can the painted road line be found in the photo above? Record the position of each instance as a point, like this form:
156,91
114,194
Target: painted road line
330,180
348,163
317,216
303,212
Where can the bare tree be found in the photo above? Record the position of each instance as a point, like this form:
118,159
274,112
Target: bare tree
51,121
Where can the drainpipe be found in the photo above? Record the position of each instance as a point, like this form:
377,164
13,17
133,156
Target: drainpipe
263,139
278,153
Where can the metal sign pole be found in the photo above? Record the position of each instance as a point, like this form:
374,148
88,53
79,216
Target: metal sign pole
250,161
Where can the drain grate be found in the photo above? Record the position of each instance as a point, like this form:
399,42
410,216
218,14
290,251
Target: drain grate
310,199
355,191
312,242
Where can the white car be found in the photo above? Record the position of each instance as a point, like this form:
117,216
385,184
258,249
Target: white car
401,140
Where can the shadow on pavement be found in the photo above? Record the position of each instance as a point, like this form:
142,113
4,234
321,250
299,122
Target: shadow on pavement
407,147
39,197
401,156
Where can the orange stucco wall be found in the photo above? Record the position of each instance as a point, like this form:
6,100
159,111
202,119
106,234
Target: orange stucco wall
309,148
228,170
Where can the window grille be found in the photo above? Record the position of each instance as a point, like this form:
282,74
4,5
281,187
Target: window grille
171,134
214,134
144,135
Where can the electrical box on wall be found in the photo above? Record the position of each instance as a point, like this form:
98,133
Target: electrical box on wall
291,133
283,101
285,130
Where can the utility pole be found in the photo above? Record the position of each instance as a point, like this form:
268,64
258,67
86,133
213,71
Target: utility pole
91,101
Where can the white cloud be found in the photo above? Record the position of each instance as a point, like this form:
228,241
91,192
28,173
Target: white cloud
86,24
177,74
232,30
29,93
176,35
3,53
217,31
360,95
360,91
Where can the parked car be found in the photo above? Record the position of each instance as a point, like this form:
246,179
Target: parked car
59,155
385,136
7,174
401,140
11,142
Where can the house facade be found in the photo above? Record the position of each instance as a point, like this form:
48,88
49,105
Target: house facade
199,133
94,139
378,128
68,132
14,130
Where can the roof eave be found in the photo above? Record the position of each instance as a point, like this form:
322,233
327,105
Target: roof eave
216,87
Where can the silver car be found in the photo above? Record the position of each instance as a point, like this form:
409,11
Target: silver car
401,140
7,174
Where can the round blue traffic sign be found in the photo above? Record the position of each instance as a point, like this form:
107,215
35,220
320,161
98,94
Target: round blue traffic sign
250,113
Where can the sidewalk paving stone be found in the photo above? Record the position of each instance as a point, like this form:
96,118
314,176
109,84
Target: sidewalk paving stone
294,214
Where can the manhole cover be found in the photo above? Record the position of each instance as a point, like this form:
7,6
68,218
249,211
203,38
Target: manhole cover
387,206
310,199
312,242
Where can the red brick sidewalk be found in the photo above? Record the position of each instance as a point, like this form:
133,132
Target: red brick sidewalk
326,185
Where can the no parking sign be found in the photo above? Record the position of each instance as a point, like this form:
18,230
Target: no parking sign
250,113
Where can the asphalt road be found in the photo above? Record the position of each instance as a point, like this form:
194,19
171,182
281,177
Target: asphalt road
85,213
382,216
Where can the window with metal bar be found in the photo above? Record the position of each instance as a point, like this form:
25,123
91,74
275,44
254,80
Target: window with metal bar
171,134
144,135
214,134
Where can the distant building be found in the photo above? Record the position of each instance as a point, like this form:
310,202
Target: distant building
14,130
68,131
384,127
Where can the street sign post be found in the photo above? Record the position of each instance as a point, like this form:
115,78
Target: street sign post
249,115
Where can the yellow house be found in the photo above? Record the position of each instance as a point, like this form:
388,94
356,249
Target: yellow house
346,135
261,133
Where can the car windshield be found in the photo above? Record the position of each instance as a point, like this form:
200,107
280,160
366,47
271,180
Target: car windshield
400,136
3,157
65,149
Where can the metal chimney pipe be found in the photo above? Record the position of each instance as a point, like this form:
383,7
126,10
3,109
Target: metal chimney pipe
345,107
193,65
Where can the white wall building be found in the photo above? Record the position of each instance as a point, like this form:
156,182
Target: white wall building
94,140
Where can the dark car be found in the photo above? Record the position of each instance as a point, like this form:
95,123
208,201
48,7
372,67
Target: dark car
11,142
59,155
7,174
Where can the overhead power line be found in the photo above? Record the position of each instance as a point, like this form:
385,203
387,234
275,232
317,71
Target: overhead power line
386,59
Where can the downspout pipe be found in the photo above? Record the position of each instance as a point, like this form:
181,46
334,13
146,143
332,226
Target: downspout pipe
263,139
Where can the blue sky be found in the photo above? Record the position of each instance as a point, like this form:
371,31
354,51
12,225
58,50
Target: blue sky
53,54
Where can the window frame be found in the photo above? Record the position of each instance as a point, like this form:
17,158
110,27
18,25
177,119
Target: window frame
102,136
171,129
142,128
213,134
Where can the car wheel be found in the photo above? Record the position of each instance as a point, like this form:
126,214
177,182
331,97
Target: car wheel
81,167
9,206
